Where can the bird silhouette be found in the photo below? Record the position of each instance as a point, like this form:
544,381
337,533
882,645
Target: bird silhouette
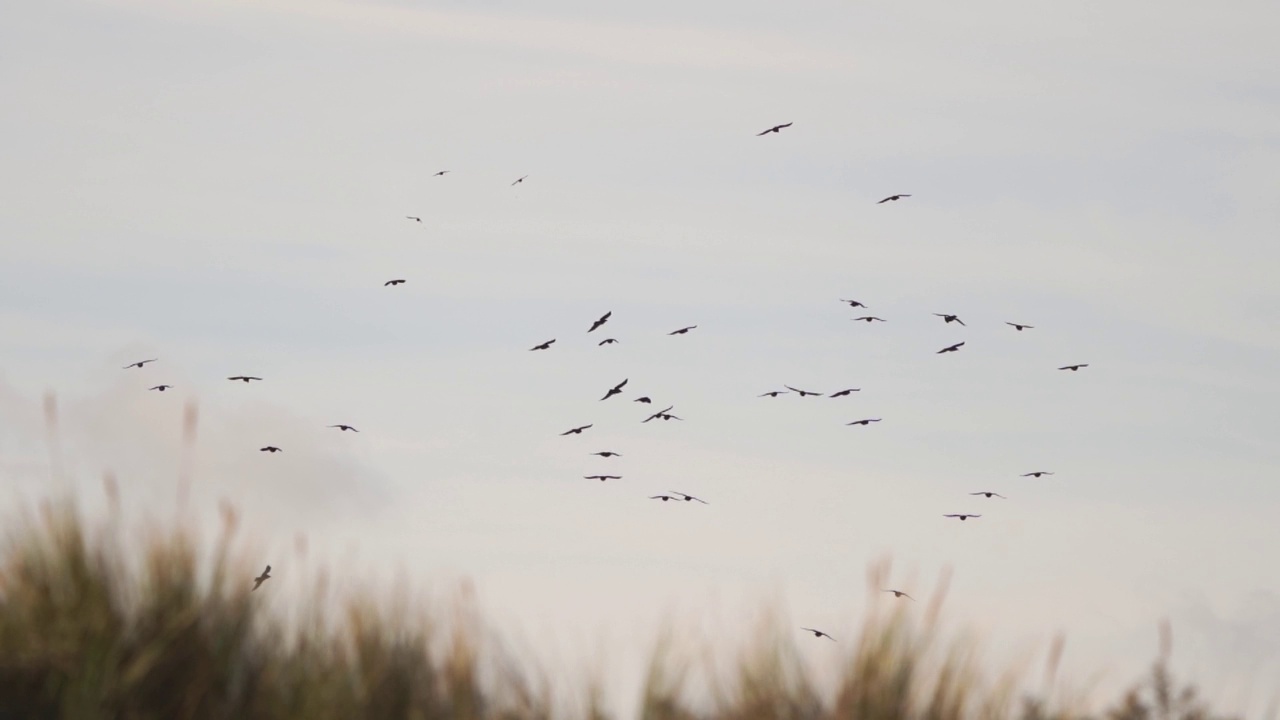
442,172
682,330
603,319
161,388
668,416
990,495
663,498
397,281
266,575
899,594
949,318
576,431
774,393
519,180
818,634
950,348
1019,327
802,393
962,516
244,378
270,449
139,364
843,393
868,319
344,428
893,197
607,454
643,399
853,303
413,218
601,478
1074,368
867,421
658,414
606,341
615,390
774,129
686,497
1037,473
543,346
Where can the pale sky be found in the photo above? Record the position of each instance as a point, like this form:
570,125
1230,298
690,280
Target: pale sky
223,185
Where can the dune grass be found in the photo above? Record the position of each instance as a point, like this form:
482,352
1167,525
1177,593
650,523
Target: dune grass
91,627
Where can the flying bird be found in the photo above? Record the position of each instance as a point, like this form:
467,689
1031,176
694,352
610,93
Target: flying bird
868,319
606,341
893,197
899,594
139,364
949,318
853,303
669,416
161,388
615,390
244,378
601,478
1074,368
867,421
607,454
576,431
658,414
397,281
266,575
686,497
682,330
950,348
819,634
1019,327
774,393
663,498
442,172
1037,473
962,516
413,218
774,129
803,393
643,399
519,180
543,346
843,393
270,449
603,319
344,428
990,495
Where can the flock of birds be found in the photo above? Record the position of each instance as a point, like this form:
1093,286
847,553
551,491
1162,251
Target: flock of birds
665,414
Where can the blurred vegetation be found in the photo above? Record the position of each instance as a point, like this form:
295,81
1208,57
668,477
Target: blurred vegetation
89,629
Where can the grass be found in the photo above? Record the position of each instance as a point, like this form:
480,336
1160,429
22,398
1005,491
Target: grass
94,627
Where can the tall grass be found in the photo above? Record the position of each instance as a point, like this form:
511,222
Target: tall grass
93,628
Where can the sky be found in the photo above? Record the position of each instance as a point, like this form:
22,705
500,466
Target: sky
224,185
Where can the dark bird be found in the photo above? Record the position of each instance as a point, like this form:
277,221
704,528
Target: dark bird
397,281
774,393
686,497
139,364
1074,368
663,498
950,348
868,319
990,495
774,129
442,172
270,449
519,180
1037,473
1020,328
962,516
607,454
853,303
244,378
658,414
949,318
669,416
603,319
899,594
266,575
867,421
818,634
615,390
606,341
161,388
893,197
576,431
643,399
344,428
843,393
803,393
682,330
413,218
543,346
601,478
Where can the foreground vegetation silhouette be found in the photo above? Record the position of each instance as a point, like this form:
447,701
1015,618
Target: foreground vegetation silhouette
94,627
